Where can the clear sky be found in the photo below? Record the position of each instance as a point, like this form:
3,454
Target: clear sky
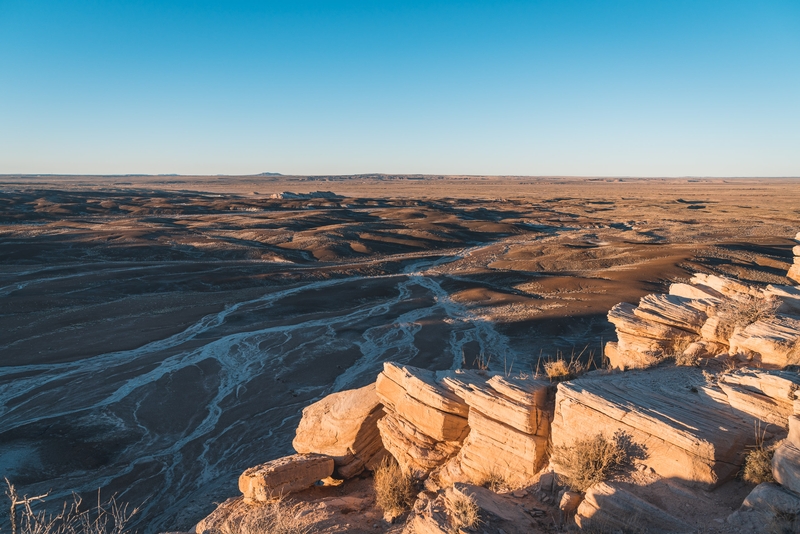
637,88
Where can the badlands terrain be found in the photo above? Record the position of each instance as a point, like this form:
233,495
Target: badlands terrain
160,335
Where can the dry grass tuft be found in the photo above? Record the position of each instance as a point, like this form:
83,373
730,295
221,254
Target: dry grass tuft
108,517
394,489
497,483
277,517
561,369
757,466
463,511
592,460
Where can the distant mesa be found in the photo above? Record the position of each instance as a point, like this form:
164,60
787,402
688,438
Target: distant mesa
269,174
288,195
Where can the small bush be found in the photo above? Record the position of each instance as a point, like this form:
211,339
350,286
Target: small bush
496,482
757,466
592,460
560,369
277,517
463,511
746,311
394,489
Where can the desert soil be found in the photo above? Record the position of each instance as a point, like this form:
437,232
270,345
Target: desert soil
161,334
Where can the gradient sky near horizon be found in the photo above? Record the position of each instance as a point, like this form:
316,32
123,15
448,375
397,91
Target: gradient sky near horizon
611,88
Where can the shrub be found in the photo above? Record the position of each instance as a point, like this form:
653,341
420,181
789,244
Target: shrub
560,369
109,517
277,517
463,511
745,311
592,460
495,482
757,466
393,488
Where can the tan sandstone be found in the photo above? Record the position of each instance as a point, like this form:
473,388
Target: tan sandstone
344,426
694,438
608,507
284,475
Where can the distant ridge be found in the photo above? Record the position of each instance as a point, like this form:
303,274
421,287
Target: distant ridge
268,174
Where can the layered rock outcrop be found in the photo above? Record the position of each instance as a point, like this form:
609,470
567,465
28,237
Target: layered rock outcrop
794,270
344,426
284,475
690,430
478,425
509,420
776,507
709,316
425,422
786,462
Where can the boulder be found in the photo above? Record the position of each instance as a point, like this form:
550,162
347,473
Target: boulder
569,502
786,466
343,426
768,508
607,508
695,438
774,341
284,475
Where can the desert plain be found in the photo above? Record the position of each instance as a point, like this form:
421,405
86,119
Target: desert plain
160,334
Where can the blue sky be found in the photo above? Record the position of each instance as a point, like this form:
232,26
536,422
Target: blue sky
632,88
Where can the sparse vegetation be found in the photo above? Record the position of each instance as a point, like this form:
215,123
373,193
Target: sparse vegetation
393,488
496,482
463,511
745,311
277,517
560,369
482,362
108,517
757,466
592,460
686,360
